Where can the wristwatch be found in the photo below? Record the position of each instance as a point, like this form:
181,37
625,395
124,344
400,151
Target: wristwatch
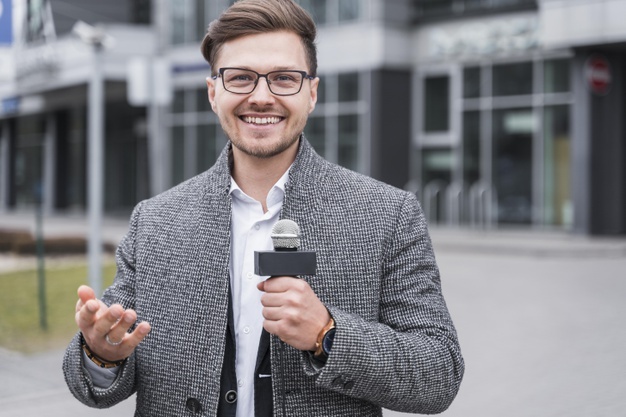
325,339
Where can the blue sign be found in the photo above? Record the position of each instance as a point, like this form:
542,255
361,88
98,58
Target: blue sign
10,105
6,22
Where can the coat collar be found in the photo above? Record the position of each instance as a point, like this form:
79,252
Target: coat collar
306,177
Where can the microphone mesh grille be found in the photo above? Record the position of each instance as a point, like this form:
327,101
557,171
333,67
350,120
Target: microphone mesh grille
286,235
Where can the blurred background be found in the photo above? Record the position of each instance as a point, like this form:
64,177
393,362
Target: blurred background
497,112
506,117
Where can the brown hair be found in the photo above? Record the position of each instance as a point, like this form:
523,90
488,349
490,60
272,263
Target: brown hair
249,17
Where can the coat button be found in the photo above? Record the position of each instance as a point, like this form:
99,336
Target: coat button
348,385
231,396
194,405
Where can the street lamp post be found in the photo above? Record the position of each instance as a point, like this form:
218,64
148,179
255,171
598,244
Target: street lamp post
98,40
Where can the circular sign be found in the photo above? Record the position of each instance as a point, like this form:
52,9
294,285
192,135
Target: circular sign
598,74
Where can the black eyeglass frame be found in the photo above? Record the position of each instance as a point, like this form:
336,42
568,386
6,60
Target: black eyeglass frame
220,74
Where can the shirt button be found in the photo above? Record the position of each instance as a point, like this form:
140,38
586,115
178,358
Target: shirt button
249,275
257,227
240,383
246,330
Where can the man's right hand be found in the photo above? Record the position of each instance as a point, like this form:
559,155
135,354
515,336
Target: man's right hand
95,320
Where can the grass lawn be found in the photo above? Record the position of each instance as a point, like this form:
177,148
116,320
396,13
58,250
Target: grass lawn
19,306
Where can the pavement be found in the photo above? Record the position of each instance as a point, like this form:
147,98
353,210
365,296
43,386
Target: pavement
540,316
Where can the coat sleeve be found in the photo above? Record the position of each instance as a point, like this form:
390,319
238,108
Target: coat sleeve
410,359
122,291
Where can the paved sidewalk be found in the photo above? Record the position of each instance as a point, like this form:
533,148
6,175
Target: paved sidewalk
540,316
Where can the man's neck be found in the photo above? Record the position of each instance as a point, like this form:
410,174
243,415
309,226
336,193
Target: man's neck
256,176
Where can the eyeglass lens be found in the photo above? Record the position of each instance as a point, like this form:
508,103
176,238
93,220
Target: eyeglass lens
244,81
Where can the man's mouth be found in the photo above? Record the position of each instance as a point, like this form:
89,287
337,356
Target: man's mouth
261,120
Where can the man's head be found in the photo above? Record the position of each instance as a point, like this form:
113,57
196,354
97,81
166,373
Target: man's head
249,17
262,57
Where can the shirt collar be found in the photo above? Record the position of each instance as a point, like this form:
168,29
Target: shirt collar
276,194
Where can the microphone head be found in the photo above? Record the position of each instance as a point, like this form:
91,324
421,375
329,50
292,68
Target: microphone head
286,235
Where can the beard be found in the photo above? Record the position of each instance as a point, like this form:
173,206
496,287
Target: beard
264,146
263,151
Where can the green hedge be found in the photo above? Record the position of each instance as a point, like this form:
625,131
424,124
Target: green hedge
21,242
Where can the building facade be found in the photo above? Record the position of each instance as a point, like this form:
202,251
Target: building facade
496,112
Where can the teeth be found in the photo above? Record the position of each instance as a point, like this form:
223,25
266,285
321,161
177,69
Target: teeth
261,120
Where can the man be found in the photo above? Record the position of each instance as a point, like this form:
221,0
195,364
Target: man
182,325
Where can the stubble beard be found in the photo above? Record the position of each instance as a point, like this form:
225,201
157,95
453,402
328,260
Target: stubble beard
263,150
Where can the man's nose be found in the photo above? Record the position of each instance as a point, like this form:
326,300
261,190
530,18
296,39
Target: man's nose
262,93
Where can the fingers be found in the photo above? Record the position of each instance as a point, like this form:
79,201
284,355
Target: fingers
119,328
106,329
282,284
114,342
85,294
292,311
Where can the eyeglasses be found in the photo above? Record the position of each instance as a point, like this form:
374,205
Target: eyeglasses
280,83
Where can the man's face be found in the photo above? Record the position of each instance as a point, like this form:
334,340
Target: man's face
261,124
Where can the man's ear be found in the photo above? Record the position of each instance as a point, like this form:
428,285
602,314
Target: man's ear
314,86
210,84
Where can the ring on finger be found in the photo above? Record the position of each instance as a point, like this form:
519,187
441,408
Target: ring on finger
110,342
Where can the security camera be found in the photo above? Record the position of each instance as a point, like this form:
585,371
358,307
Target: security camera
92,35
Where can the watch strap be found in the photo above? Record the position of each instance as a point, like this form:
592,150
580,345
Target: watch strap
319,346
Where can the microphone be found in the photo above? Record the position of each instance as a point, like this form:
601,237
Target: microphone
285,259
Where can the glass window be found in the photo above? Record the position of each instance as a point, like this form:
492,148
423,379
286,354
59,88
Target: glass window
471,147
558,208
437,165
178,154
513,79
315,132
474,4
178,12
206,147
202,100
317,9
142,11
556,76
436,104
348,10
348,141
512,163
28,165
74,187
178,103
471,82
435,7
349,87
200,13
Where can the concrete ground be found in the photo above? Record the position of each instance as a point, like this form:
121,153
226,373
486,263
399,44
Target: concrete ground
540,317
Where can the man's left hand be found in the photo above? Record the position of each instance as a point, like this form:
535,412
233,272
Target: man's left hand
292,311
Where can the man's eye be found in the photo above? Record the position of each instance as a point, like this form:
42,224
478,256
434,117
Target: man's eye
240,78
284,78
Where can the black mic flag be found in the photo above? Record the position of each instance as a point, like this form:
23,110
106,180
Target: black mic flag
285,259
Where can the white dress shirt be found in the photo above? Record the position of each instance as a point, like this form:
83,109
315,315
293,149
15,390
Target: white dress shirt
250,231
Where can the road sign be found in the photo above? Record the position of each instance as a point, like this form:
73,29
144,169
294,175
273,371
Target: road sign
6,22
598,74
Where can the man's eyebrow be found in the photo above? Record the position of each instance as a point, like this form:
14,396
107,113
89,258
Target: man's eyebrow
274,68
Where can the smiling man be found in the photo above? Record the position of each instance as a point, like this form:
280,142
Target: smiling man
190,328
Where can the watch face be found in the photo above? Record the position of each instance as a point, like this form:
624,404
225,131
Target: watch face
327,342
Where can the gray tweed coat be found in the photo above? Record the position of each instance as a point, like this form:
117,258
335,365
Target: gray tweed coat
395,345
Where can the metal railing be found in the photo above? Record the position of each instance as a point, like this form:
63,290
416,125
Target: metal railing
453,204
